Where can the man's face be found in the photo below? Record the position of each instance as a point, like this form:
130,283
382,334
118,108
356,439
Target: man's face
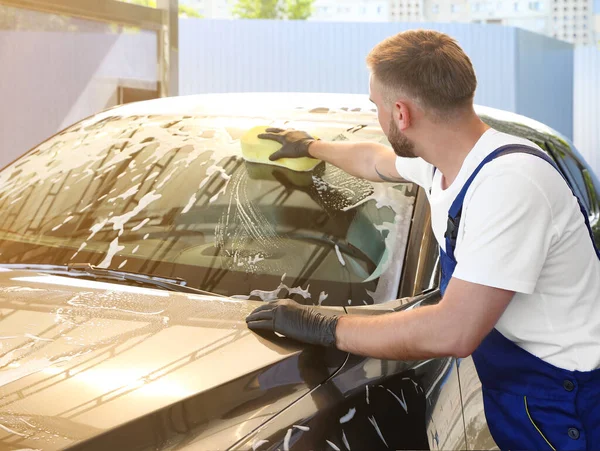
403,147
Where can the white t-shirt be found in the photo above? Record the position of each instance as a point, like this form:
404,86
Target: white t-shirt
521,230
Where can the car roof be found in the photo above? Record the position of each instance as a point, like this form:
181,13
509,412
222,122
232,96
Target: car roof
317,106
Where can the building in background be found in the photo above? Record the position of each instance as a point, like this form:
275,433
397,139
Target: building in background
351,10
574,21
597,21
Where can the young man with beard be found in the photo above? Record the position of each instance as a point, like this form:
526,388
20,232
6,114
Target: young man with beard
520,272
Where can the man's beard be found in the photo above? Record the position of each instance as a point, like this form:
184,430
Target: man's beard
403,147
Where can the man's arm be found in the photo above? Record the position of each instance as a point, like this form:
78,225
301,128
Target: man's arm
367,160
454,327
371,161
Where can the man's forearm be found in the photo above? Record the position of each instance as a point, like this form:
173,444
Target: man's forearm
357,159
409,335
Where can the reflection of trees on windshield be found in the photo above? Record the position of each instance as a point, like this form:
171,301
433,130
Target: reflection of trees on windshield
171,197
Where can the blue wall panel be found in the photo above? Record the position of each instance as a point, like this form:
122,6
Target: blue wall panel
257,55
544,80
586,118
517,70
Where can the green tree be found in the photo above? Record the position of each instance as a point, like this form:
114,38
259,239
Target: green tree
299,9
258,9
273,9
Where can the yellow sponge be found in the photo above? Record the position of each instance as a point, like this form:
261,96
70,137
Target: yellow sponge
258,150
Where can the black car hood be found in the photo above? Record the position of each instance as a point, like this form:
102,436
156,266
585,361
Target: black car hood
96,365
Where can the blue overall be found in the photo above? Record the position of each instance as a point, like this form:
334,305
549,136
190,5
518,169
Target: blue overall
529,404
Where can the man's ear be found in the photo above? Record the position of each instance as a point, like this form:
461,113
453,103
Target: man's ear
402,115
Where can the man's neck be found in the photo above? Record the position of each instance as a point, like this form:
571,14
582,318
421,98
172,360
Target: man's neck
448,147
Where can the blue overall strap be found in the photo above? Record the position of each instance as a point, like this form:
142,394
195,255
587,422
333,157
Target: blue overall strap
455,211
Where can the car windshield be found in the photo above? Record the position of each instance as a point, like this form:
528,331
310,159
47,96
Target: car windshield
172,196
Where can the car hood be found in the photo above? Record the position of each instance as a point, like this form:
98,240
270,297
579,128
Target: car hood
93,364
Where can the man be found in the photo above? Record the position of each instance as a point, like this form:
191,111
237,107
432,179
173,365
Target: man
520,273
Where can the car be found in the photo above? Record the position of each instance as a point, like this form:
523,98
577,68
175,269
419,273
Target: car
134,243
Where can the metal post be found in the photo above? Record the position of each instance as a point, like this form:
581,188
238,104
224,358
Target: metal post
111,11
168,48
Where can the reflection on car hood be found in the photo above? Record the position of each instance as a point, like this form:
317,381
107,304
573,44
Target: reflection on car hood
79,358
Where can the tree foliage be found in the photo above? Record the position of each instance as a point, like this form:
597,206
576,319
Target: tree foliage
273,9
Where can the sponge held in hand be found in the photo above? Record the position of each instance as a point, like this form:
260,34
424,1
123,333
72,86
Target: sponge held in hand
258,150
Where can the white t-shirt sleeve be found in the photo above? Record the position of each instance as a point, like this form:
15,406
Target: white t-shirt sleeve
415,170
507,230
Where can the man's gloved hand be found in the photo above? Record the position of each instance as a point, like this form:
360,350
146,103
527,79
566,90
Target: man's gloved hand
295,321
295,143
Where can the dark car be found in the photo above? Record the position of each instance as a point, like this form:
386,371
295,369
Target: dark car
134,243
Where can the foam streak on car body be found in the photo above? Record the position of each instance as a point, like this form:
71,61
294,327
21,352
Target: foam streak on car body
402,402
258,444
339,255
322,297
373,421
348,416
345,440
10,431
286,440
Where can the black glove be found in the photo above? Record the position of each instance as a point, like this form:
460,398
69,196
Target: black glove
294,321
294,143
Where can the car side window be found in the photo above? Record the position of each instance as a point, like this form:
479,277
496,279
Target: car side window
571,169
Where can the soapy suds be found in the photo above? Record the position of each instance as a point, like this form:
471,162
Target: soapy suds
86,208
345,440
36,338
113,249
258,444
119,222
256,259
140,225
167,178
273,295
127,194
322,297
376,426
286,440
27,423
402,402
10,431
299,291
75,302
348,416
83,245
339,255
190,204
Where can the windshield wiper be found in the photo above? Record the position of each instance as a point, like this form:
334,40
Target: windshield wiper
86,270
